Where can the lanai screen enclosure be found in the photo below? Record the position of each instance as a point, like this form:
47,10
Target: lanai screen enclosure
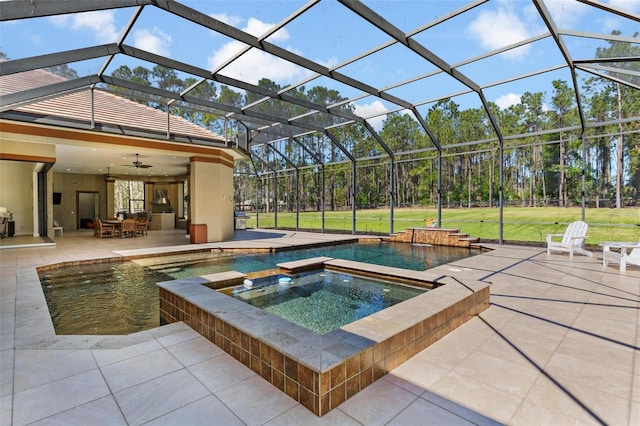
377,102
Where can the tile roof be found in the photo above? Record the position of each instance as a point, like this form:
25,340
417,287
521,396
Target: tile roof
108,108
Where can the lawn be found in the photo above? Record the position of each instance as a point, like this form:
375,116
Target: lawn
521,224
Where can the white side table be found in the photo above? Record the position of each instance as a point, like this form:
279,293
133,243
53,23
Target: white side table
57,229
608,253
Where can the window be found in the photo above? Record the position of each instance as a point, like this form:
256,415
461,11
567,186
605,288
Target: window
129,196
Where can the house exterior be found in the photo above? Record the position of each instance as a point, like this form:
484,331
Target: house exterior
39,131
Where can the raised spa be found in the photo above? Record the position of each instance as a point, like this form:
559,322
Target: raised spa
323,370
323,300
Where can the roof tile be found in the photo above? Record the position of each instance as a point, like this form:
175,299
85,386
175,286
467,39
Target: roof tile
108,108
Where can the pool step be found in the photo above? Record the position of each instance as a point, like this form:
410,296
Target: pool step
470,239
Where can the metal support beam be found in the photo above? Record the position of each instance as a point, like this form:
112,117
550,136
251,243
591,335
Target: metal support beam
610,9
392,172
436,143
123,36
20,9
258,189
297,173
14,100
440,188
59,58
318,161
354,176
275,186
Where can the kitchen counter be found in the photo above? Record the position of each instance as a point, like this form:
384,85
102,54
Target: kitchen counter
162,221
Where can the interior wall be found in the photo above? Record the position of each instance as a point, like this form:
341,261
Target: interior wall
16,193
69,184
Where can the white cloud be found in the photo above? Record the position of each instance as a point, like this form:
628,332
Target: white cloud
232,20
496,29
505,101
256,64
257,28
100,22
566,13
611,24
331,62
154,41
366,110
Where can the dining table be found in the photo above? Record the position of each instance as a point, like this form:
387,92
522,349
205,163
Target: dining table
116,225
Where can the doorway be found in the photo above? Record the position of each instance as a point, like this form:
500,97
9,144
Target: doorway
87,207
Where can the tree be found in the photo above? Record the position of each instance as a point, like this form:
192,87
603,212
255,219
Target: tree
139,75
562,115
402,133
627,105
534,120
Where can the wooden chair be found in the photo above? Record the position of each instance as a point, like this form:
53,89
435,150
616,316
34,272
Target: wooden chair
142,227
3,225
128,228
102,230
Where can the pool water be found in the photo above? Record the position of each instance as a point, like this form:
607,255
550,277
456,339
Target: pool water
111,298
122,297
323,301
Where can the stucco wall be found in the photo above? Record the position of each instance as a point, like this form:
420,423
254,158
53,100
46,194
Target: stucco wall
16,193
212,198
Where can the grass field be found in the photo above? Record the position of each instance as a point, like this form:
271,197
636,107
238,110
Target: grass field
521,224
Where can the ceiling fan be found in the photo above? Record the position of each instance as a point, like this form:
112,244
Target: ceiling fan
109,175
138,164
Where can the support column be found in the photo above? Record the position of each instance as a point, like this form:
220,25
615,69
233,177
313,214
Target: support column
111,209
211,197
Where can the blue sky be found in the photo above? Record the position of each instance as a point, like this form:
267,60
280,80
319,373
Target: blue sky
330,34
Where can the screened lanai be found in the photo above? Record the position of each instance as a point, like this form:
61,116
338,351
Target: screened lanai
351,105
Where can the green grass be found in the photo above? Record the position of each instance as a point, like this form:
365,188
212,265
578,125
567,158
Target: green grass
520,223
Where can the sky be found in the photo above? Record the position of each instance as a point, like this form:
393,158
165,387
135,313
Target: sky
330,34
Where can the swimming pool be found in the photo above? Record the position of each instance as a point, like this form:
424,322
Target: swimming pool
399,255
122,297
324,300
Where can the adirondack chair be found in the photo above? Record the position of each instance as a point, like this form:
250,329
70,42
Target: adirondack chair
572,240
628,254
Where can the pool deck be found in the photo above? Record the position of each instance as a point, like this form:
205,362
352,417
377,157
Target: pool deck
560,344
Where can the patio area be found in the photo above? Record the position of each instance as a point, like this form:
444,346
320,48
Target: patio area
559,345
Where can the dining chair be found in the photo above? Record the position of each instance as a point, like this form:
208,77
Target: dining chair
128,228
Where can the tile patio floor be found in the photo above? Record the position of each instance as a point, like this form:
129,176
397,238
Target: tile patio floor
559,346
